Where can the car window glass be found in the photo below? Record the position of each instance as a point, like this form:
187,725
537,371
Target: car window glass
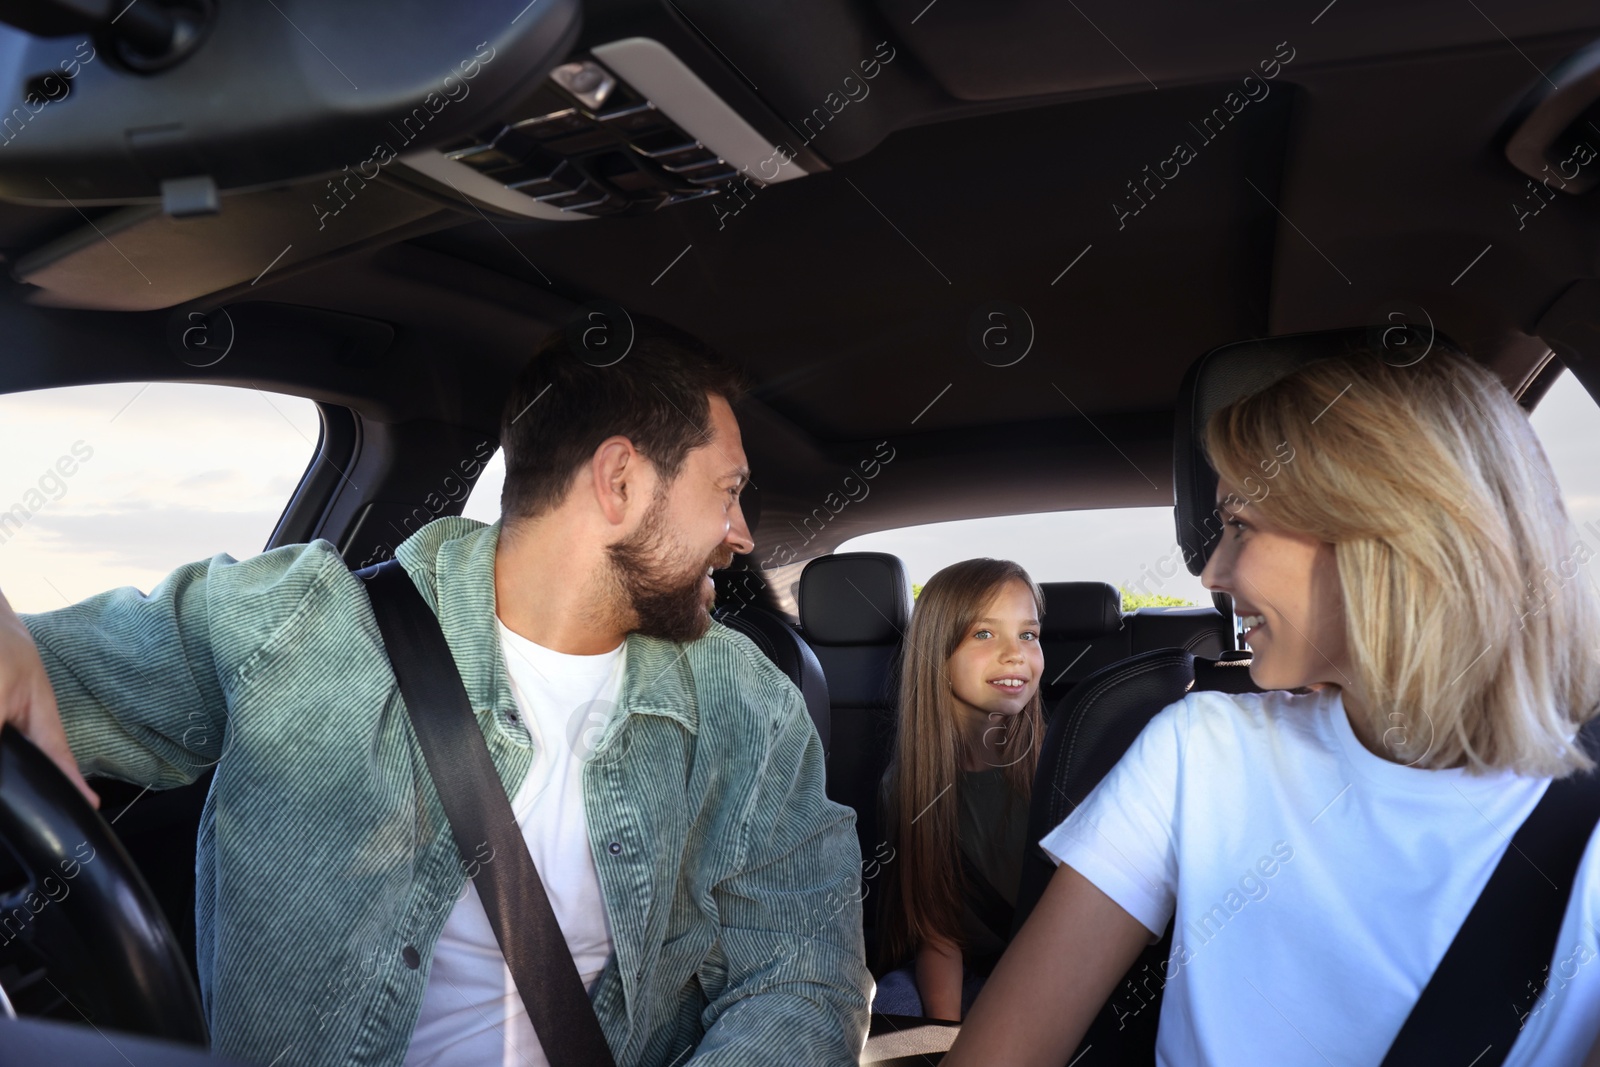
1568,424
110,485
483,503
1134,549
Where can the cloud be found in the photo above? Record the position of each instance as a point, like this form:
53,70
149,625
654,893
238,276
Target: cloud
156,538
208,479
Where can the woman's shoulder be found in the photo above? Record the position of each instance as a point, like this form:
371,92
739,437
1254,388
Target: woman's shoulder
1259,710
1232,725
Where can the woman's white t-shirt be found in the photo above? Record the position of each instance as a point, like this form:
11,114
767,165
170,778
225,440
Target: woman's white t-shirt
1313,886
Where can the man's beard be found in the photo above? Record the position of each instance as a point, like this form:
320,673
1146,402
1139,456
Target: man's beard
665,602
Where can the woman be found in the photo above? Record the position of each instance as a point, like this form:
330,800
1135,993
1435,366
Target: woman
1410,575
956,792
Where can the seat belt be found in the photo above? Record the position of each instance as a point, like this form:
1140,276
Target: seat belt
479,811
1471,1010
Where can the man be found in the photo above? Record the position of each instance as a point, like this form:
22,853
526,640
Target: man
665,775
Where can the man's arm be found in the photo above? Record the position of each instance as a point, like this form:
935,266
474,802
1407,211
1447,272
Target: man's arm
134,680
130,681
791,941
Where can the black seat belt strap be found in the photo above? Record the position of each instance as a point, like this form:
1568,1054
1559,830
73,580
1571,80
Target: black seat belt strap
1473,1007
479,812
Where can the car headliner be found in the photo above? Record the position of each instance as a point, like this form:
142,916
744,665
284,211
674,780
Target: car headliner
1369,183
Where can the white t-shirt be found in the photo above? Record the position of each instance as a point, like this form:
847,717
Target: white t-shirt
472,1015
1313,886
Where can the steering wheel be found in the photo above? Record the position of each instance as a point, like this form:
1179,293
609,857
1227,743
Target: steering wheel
83,914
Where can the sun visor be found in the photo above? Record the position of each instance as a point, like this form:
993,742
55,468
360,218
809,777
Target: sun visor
260,94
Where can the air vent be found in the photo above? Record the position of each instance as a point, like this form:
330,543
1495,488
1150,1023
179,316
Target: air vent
588,143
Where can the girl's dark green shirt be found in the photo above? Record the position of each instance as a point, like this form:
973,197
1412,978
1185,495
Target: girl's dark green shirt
993,830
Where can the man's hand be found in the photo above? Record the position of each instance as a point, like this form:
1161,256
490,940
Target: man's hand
26,700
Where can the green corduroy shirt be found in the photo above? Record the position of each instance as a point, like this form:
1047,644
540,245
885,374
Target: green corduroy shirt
325,867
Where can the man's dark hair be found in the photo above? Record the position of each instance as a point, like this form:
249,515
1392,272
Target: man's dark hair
566,401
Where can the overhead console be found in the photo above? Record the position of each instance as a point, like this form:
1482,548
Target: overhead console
627,127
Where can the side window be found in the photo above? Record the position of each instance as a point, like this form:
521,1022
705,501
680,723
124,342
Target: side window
111,485
1568,424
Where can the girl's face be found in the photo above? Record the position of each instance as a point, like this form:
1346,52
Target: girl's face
995,669
1286,592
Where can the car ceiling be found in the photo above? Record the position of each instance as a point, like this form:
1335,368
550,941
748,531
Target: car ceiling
1369,183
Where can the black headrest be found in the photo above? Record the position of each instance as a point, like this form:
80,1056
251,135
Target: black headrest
854,598
1225,374
1080,610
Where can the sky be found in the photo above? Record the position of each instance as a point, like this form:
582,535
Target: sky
177,473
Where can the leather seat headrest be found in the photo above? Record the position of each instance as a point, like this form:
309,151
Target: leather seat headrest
1080,610
854,598
1225,374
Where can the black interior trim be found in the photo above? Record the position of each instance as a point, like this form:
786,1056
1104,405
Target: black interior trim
337,443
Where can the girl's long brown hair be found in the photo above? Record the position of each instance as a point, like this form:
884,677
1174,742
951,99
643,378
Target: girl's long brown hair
921,818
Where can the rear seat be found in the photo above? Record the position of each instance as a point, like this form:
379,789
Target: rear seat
1202,632
854,610
1084,629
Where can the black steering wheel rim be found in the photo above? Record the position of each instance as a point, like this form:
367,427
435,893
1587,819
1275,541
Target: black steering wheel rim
84,910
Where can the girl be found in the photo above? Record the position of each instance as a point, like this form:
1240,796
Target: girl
1316,851
956,792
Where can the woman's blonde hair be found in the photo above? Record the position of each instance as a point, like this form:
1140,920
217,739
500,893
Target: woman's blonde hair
1472,628
923,898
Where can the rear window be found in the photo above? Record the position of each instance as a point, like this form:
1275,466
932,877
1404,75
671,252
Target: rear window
1134,549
